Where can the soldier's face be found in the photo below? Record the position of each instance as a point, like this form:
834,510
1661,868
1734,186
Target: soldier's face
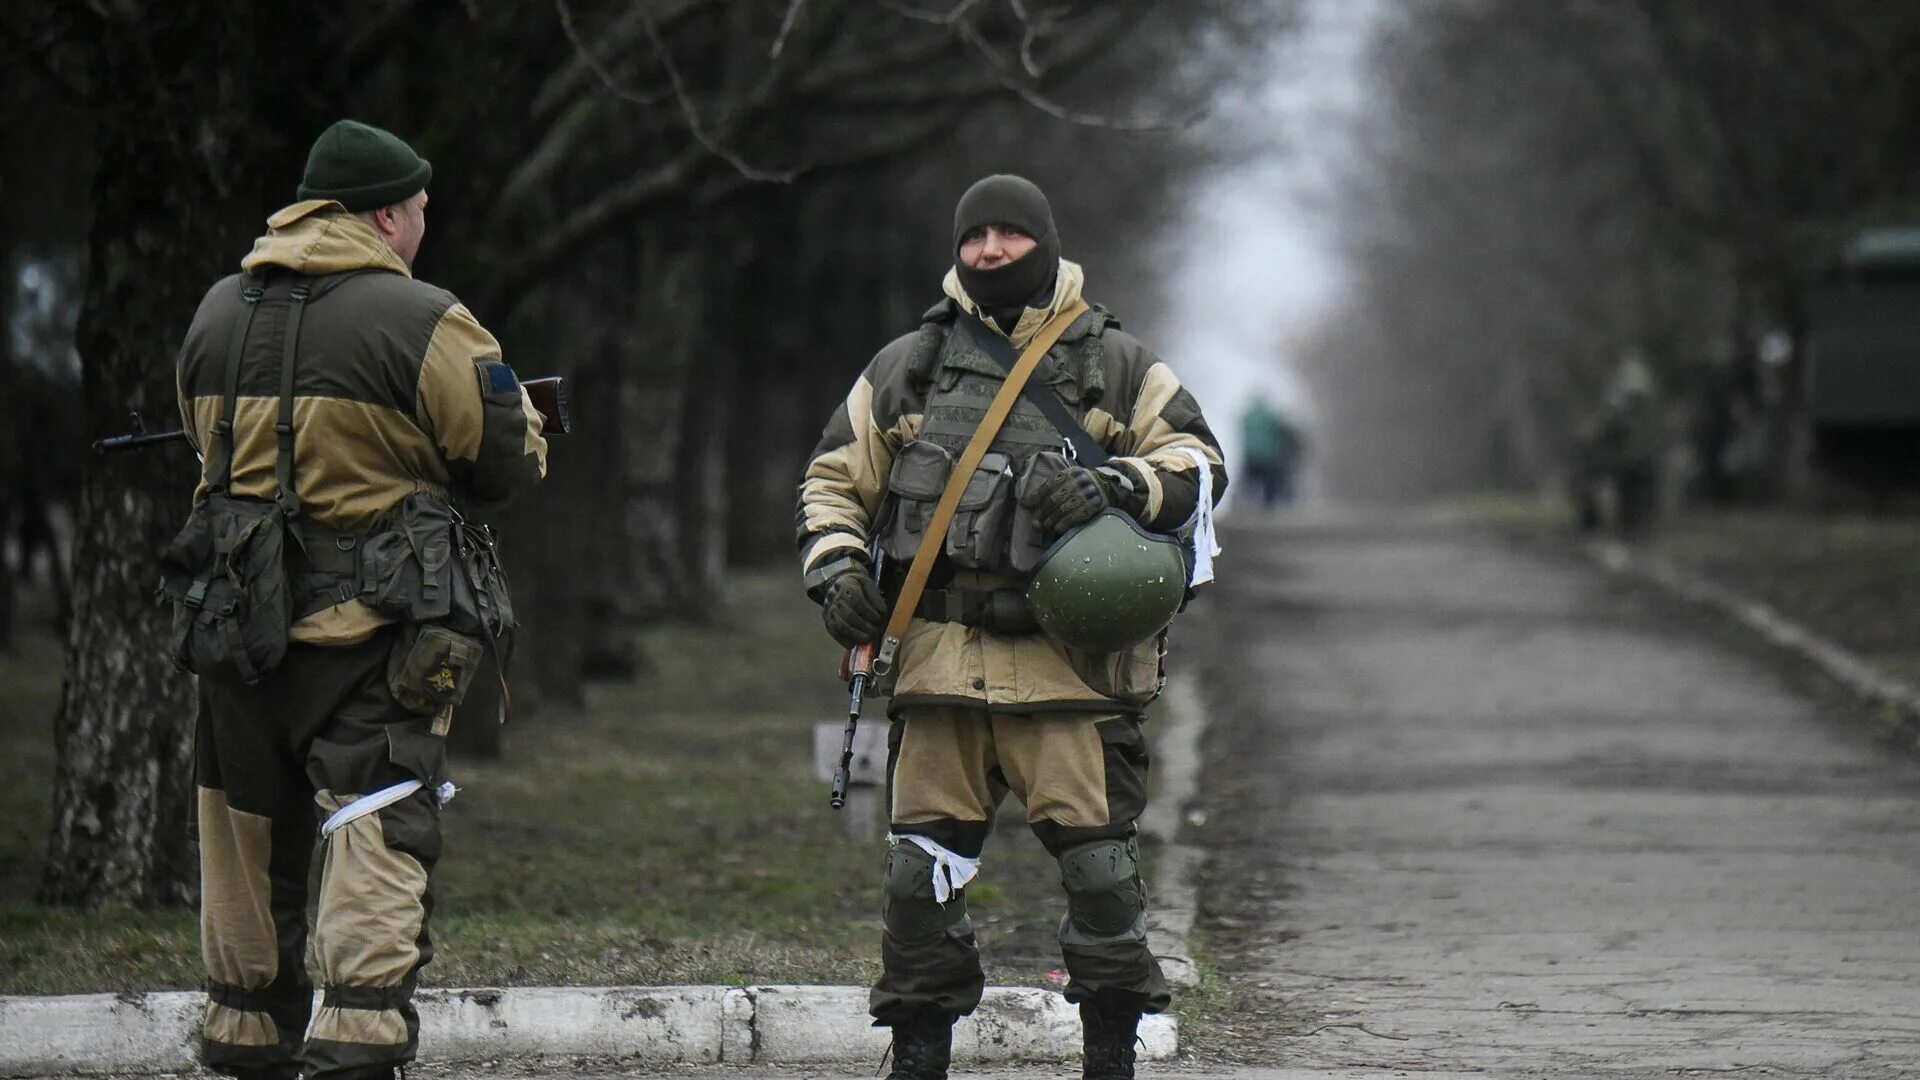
991,246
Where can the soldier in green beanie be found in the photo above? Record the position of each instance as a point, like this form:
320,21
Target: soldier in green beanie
326,381
375,174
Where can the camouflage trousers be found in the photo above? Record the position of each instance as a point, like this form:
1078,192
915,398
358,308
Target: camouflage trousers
271,762
1082,776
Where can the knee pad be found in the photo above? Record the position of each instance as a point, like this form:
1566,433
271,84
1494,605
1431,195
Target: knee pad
908,908
1106,900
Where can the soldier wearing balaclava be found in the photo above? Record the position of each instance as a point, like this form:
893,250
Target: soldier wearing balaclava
983,695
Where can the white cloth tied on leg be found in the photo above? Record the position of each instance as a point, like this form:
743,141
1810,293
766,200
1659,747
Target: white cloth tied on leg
951,871
1205,543
380,800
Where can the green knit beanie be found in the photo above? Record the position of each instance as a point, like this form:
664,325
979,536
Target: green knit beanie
363,167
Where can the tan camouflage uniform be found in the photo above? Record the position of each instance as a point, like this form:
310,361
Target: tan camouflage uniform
397,392
977,712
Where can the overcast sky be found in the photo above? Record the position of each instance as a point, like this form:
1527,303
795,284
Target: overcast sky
1251,256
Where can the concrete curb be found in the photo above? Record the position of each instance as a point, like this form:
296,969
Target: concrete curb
1897,701
652,1025
1173,894
675,1025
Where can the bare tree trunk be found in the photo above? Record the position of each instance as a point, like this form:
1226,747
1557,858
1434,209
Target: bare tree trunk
164,228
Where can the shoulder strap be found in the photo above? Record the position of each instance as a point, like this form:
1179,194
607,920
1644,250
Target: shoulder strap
285,495
1086,449
930,543
219,472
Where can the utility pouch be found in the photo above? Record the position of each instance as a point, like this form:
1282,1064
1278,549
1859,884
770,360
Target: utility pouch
482,601
407,563
424,563
1027,543
977,536
225,572
431,667
225,576
918,477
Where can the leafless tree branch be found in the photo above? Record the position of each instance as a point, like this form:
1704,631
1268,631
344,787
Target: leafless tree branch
1031,94
612,85
786,27
692,116
951,17
1030,31
596,218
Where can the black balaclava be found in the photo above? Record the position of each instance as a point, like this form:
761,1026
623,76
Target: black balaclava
1006,291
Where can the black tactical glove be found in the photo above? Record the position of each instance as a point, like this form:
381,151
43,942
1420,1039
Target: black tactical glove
1074,496
854,608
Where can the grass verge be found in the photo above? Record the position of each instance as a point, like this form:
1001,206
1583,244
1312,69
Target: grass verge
1854,579
673,833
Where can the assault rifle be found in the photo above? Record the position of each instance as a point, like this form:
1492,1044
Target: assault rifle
548,394
857,669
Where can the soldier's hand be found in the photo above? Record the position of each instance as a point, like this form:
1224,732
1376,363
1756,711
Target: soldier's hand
854,609
1072,497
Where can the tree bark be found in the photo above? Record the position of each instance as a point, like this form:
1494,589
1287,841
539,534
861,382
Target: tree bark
170,86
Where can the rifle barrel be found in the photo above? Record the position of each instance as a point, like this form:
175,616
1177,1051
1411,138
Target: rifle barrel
548,394
135,442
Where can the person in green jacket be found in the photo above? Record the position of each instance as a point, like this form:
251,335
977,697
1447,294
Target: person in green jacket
1270,449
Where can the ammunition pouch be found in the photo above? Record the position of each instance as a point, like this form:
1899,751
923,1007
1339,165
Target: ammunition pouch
1002,611
992,529
424,563
225,574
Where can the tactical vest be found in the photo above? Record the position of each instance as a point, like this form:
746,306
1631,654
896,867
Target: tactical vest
992,530
244,569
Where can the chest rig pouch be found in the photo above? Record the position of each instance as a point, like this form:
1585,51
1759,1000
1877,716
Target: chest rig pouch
991,530
225,573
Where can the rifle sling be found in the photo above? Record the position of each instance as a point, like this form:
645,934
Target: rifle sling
931,542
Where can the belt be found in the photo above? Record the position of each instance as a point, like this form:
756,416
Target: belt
328,571
1004,611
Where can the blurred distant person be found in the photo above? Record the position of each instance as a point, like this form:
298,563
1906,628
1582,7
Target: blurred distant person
1271,448
1617,454
991,691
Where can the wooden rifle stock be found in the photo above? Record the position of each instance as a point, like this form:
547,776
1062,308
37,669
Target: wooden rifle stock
549,397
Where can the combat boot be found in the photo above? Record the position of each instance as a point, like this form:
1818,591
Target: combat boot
922,1046
1108,1032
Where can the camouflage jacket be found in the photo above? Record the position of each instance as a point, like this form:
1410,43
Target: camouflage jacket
397,389
1122,394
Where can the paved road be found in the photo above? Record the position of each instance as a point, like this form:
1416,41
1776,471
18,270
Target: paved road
1480,811
1511,816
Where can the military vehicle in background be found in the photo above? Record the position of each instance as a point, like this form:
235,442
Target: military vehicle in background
1863,371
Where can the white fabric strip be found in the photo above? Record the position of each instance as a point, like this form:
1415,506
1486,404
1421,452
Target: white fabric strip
380,800
1205,543
951,872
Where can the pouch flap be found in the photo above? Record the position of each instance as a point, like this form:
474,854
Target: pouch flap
920,471
985,483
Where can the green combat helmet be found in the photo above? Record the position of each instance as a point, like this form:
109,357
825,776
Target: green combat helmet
1108,585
